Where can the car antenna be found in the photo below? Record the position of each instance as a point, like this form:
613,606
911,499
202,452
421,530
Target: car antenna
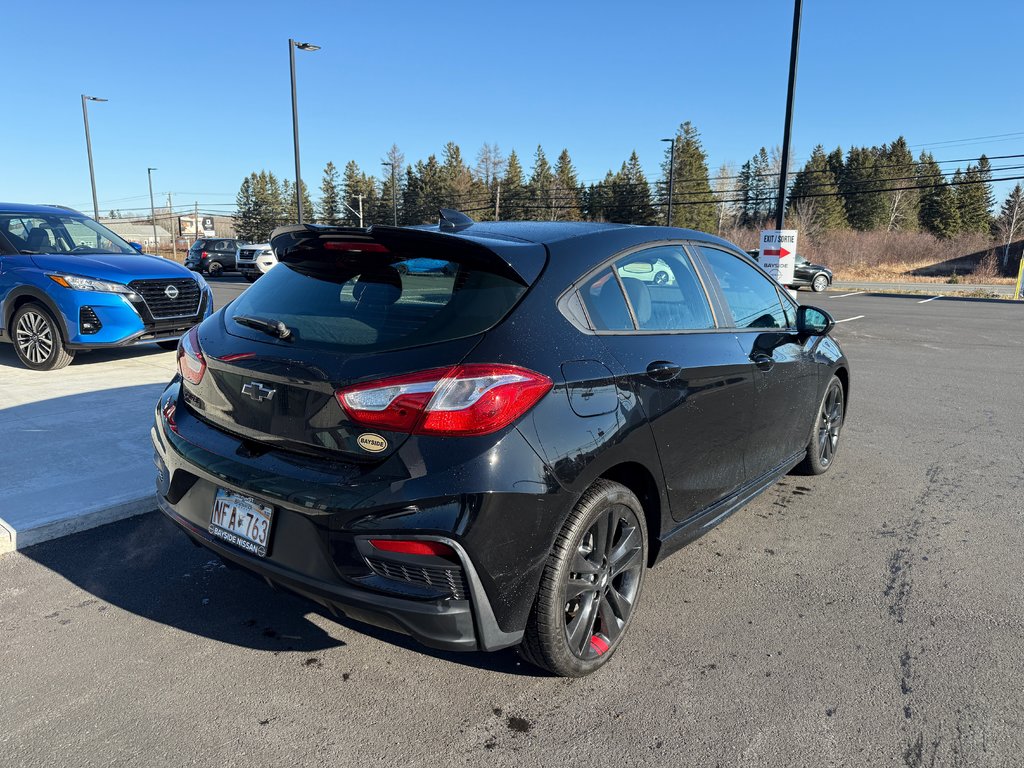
451,220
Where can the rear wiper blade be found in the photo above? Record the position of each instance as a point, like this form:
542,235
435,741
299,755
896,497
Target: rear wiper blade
268,326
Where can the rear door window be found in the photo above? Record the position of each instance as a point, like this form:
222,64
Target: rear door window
752,297
664,290
372,307
606,306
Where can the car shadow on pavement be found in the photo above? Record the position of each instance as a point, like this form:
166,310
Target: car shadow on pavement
147,567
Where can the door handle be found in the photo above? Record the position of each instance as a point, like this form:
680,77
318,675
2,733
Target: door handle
762,361
663,370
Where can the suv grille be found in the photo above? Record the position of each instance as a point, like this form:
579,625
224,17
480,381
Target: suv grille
450,579
182,301
246,255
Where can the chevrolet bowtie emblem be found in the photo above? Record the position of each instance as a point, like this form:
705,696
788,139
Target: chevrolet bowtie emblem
258,392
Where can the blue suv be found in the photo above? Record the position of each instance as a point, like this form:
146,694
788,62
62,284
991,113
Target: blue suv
68,283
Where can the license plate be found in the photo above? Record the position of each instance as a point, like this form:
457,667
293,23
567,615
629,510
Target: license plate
241,521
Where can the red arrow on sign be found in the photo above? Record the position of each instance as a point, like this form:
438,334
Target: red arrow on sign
779,252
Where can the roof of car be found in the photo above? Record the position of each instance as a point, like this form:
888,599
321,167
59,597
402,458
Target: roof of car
26,208
548,231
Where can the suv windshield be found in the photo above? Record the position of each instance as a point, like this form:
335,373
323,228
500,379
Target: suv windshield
372,307
59,233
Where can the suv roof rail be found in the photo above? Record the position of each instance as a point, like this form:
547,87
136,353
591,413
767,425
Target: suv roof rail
451,220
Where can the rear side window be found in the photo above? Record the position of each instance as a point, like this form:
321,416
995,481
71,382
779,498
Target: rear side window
664,290
375,307
751,296
606,306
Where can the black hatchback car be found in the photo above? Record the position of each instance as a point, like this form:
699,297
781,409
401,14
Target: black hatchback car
491,454
213,255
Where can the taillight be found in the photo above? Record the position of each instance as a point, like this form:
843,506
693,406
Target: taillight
464,400
354,247
204,255
191,363
414,547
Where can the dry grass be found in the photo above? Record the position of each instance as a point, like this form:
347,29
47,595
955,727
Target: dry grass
914,257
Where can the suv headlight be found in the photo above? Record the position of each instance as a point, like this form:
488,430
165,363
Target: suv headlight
79,283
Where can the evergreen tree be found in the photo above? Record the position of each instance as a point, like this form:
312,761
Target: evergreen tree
490,164
539,188
865,205
289,206
640,206
1010,221
566,190
896,170
947,223
815,194
352,186
597,199
930,209
457,181
330,201
757,190
693,205
245,219
974,198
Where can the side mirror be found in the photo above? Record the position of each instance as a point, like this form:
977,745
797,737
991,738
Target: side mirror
136,246
811,321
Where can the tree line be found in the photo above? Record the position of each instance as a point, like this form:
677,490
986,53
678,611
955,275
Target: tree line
864,188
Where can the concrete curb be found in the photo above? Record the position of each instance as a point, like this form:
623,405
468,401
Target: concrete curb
66,523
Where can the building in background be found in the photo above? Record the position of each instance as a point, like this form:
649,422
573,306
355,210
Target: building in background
139,231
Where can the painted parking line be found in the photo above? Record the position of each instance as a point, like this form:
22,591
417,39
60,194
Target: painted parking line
933,298
848,319
843,296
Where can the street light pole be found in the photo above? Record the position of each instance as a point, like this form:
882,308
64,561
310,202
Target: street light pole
780,205
292,45
671,177
152,207
394,192
88,148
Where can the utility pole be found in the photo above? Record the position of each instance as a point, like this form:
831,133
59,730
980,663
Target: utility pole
780,209
88,149
174,235
671,177
196,223
292,45
152,207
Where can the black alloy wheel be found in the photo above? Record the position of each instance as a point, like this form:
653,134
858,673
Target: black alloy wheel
591,585
820,283
37,339
824,442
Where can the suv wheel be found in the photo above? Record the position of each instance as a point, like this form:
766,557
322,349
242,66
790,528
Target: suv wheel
824,440
214,268
37,339
820,283
591,583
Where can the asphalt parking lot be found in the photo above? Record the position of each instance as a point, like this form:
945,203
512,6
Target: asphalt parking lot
871,616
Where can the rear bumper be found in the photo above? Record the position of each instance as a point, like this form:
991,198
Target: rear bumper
322,519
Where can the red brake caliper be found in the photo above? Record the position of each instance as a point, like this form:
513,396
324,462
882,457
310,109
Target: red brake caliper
598,644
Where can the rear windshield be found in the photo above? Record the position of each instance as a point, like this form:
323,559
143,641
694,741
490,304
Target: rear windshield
379,307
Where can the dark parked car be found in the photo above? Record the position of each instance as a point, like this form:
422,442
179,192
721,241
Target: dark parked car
806,274
213,255
491,455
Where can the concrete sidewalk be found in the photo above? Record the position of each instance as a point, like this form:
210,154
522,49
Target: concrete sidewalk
76,446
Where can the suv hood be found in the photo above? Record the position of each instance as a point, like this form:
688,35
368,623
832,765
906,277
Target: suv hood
116,267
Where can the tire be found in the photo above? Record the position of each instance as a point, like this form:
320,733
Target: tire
580,616
824,439
214,269
819,283
171,345
661,278
37,339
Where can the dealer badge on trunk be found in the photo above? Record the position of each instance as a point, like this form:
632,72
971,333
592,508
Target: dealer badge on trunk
372,443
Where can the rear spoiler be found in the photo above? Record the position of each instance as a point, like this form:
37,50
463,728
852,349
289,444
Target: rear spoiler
317,247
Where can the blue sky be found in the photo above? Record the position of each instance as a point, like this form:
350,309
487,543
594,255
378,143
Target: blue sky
201,90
